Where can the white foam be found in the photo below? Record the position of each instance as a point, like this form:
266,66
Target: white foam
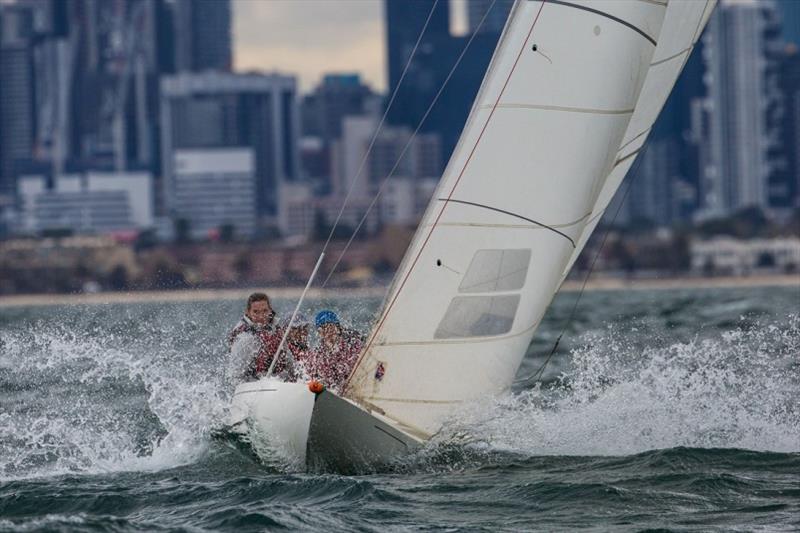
740,389
80,420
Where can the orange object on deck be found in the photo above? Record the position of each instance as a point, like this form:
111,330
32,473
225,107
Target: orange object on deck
316,386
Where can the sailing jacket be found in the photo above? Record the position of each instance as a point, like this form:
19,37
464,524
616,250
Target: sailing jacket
253,346
332,365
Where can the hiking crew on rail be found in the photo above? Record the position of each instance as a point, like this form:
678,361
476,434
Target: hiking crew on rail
255,339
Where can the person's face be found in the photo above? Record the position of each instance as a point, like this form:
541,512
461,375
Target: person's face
329,333
260,312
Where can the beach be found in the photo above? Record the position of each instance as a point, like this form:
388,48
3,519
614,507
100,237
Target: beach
199,295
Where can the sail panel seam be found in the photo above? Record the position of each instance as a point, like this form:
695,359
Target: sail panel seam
496,226
509,213
606,15
561,108
515,226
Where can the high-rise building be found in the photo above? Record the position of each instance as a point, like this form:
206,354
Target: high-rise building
349,166
203,35
495,18
93,69
789,189
432,62
338,96
323,112
404,23
219,110
17,97
742,148
113,105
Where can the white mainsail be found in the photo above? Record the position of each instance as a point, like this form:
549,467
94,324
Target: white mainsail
567,101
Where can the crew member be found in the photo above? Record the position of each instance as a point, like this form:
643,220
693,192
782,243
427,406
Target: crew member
254,340
337,353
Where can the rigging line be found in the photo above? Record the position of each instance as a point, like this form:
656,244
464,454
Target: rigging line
378,129
538,373
444,205
385,180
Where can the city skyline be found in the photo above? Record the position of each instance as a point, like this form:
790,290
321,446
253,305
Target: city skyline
161,85
175,123
312,37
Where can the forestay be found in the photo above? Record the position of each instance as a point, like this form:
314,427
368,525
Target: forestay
567,101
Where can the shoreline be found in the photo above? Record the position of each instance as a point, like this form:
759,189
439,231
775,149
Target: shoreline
199,295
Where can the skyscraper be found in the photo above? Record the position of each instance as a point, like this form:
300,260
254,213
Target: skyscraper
404,23
203,35
323,112
112,91
17,98
788,193
430,66
217,110
742,146
338,96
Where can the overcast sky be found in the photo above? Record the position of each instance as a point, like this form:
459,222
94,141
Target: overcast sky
311,37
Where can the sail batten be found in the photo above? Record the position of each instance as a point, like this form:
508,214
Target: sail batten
564,108
585,7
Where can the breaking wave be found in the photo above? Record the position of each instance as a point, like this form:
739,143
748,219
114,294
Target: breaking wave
103,402
740,389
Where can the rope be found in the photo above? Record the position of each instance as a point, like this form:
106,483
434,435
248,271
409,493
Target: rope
538,373
378,129
385,180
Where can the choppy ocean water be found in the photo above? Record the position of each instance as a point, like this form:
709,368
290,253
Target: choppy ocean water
675,410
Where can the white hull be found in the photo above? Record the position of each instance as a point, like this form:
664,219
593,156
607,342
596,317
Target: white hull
321,431
276,413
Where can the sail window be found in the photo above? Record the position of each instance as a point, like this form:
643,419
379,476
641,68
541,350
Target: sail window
496,270
478,316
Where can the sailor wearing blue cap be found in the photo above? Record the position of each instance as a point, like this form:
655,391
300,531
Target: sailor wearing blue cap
338,350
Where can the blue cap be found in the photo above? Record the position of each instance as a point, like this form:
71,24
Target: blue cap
326,317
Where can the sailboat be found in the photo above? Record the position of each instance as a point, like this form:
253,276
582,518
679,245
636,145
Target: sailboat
567,103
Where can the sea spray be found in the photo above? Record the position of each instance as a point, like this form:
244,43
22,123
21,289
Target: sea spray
102,401
737,389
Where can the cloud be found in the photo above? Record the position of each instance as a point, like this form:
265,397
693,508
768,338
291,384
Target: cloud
310,37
